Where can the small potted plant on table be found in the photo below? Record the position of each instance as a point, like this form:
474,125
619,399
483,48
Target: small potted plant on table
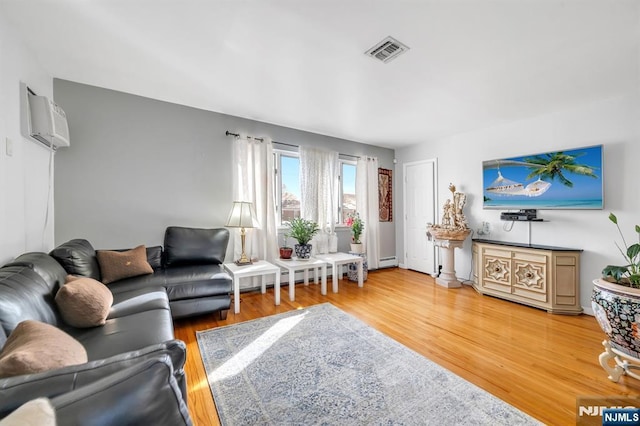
357,226
303,231
285,250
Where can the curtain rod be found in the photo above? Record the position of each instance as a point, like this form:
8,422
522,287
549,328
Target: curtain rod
228,133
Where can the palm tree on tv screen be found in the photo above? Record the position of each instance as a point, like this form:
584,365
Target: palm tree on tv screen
551,166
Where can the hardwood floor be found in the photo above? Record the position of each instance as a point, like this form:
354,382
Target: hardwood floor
535,361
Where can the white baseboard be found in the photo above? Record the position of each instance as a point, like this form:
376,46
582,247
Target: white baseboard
402,266
588,311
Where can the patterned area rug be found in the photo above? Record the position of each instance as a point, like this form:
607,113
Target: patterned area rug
321,365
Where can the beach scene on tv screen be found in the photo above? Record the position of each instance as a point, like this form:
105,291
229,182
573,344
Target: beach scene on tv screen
568,179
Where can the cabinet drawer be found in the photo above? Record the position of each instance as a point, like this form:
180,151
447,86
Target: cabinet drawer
527,256
494,252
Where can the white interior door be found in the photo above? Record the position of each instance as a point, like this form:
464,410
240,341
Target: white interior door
420,209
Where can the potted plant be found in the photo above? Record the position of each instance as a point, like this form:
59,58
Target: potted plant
303,231
357,226
616,304
285,250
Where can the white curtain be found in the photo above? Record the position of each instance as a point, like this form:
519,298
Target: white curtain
253,181
319,186
367,206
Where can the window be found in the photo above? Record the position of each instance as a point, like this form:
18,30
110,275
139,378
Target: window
287,189
288,185
347,189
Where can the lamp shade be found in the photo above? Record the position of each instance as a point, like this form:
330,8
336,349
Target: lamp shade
242,215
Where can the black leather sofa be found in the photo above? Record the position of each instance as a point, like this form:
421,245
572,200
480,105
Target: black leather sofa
189,268
138,328
188,279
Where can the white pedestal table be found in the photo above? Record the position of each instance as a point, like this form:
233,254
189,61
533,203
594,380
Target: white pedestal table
259,268
447,276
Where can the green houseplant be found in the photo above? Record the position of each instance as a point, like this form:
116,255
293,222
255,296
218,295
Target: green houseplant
303,231
628,274
357,227
615,301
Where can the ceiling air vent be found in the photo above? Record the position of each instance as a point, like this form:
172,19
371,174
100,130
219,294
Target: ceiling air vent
387,49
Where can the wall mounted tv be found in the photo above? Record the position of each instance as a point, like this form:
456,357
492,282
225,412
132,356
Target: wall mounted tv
567,179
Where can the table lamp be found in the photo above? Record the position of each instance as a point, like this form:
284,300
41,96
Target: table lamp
242,216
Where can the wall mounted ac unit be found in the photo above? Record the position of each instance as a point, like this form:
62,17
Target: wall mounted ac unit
48,122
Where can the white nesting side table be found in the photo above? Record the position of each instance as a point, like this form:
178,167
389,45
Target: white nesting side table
259,268
293,265
336,260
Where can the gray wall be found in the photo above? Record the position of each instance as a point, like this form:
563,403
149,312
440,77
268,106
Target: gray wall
137,165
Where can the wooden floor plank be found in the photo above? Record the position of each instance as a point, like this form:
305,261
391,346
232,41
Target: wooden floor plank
535,361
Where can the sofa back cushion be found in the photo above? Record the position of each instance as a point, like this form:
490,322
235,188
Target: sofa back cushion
46,266
78,257
192,246
154,256
25,295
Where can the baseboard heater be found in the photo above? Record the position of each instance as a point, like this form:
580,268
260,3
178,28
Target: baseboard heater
388,262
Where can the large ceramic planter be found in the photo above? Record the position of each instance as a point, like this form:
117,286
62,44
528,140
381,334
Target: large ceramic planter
617,310
303,251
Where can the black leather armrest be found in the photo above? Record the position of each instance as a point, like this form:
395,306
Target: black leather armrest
15,391
143,394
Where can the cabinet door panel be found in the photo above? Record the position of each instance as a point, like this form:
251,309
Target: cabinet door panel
496,269
530,276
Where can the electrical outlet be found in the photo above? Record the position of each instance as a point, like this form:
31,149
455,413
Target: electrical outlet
484,229
9,147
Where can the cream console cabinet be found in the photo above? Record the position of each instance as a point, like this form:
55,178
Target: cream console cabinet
540,276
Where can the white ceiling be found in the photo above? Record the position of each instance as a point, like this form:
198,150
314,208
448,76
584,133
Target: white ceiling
301,63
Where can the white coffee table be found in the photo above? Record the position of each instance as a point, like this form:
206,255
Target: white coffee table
293,265
336,260
259,268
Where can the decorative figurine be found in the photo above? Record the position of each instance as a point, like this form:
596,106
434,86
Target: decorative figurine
453,225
